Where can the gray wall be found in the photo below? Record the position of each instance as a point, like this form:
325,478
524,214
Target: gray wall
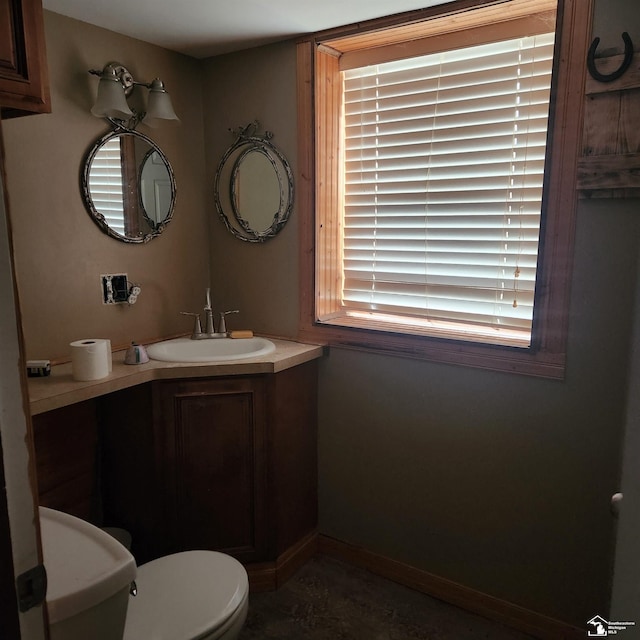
496,481
499,482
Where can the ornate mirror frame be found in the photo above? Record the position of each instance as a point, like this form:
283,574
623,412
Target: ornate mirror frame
153,228
227,180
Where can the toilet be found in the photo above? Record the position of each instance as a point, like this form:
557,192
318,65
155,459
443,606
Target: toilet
191,595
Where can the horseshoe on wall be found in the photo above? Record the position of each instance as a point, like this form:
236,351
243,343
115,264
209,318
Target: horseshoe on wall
610,77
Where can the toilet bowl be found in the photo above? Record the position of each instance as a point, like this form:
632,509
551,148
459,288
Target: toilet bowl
192,595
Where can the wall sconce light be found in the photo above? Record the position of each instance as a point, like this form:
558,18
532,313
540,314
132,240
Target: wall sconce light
116,85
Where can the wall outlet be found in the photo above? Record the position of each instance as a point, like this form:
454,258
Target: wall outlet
115,288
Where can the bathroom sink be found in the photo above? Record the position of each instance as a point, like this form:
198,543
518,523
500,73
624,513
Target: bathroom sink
213,350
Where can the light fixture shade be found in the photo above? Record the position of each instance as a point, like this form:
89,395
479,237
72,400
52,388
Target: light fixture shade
111,101
159,107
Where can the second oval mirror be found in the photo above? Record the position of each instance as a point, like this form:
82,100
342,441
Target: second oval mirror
253,187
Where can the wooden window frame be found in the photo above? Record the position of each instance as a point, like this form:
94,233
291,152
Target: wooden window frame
317,189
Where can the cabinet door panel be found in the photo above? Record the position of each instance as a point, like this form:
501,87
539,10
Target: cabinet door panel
219,476
8,50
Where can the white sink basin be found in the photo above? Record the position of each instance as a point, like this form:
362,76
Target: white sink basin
212,350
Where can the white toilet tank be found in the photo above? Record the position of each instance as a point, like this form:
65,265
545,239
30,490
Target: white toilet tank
88,578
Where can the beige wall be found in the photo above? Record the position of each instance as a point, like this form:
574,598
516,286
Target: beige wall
60,253
499,482
258,279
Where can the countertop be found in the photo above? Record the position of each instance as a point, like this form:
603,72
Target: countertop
60,389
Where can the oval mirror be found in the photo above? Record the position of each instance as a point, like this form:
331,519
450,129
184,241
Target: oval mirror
128,186
253,187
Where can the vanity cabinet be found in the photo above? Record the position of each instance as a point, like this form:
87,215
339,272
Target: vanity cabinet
24,82
223,463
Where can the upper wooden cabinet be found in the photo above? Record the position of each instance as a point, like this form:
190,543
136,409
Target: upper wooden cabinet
24,80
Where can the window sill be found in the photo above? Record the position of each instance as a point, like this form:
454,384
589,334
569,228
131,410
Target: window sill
376,322
516,360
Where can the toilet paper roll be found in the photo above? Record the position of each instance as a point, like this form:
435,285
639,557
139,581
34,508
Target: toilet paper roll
91,358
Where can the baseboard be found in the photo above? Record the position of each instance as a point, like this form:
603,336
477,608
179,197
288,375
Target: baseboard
268,576
501,611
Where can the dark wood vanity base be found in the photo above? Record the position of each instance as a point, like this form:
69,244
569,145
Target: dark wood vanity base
226,463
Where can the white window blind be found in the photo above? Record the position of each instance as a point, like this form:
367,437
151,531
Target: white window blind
105,184
443,179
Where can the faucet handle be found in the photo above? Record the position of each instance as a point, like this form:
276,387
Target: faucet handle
197,326
222,328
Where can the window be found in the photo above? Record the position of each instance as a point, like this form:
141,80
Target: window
443,170
443,216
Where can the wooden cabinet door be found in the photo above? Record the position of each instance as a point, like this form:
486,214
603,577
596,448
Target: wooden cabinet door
24,79
214,440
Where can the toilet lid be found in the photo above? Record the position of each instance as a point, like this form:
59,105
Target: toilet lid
185,595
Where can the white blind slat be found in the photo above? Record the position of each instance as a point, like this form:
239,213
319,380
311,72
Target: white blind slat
443,179
105,184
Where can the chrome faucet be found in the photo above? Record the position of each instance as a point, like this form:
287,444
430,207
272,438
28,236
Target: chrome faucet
210,328
222,325
210,331
197,333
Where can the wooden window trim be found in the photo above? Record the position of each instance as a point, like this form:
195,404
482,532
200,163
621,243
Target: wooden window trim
547,357
130,207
